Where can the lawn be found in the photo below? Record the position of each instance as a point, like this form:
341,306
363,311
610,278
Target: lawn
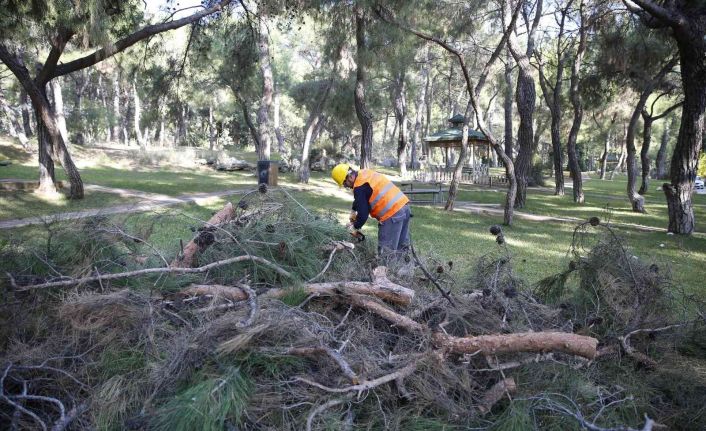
538,248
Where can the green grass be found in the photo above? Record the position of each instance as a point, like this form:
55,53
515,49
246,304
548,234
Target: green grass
606,199
539,248
21,204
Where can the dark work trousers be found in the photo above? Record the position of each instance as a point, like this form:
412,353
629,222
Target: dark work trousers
393,233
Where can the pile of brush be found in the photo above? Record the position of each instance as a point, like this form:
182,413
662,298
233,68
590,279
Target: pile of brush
270,319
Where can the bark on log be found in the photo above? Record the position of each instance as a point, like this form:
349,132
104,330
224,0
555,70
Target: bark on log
380,287
534,342
201,241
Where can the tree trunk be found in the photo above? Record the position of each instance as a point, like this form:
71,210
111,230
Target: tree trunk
458,170
211,128
263,113
52,143
364,116
59,108
509,95
104,102
692,55
644,158
621,158
525,98
26,117
661,169
281,148
137,108
310,127
428,97
418,115
115,117
575,97
637,201
400,105
606,145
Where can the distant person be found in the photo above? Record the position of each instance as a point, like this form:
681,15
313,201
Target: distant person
375,195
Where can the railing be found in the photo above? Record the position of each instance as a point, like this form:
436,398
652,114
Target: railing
478,174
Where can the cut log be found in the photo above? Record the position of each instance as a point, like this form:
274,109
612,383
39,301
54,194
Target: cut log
187,259
534,342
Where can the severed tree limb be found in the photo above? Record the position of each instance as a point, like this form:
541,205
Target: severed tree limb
366,384
254,308
496,393
203,239
327,351
535,342
336,246
321,408
380,287
128,274
639,356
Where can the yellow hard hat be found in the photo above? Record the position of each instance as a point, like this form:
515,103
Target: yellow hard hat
340,172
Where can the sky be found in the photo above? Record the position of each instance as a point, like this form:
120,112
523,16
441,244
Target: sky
158,7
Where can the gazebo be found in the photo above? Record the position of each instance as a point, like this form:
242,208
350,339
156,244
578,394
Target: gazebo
478,144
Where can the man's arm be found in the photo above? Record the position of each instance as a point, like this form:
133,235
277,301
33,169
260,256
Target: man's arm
361,204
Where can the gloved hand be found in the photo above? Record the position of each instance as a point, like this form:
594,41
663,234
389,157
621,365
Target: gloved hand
353,216
355,233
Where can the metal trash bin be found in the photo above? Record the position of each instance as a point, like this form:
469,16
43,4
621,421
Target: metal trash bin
267,172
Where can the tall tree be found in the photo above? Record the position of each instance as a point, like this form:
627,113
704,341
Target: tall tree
553,95
648,119
60,22
637,201
263,113
576,103
525,95
365,117
661,165
687,20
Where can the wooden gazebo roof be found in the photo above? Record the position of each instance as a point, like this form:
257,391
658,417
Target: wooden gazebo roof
451,138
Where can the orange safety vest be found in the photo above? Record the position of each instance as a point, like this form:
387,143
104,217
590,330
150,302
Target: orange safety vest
386,199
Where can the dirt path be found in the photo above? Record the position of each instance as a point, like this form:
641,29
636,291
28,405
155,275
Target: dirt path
151,202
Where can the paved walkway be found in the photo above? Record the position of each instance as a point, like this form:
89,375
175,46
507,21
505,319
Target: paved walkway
151,202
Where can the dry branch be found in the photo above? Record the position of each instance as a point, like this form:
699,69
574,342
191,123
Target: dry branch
367,384
535,342
327,351
496,393
128,274
380,287
200,242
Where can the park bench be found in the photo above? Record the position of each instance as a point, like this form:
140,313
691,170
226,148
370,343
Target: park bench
431,193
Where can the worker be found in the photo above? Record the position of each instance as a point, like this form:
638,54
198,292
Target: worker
375,195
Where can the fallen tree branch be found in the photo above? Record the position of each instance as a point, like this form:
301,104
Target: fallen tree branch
325,406
534,342
77,281
380,287
365,385
203,239
639,356
327,351
337,246
496,393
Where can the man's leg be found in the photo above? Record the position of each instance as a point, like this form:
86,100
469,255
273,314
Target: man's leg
389,235
403,242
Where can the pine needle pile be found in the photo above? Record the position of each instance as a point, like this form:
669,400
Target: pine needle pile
270,319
